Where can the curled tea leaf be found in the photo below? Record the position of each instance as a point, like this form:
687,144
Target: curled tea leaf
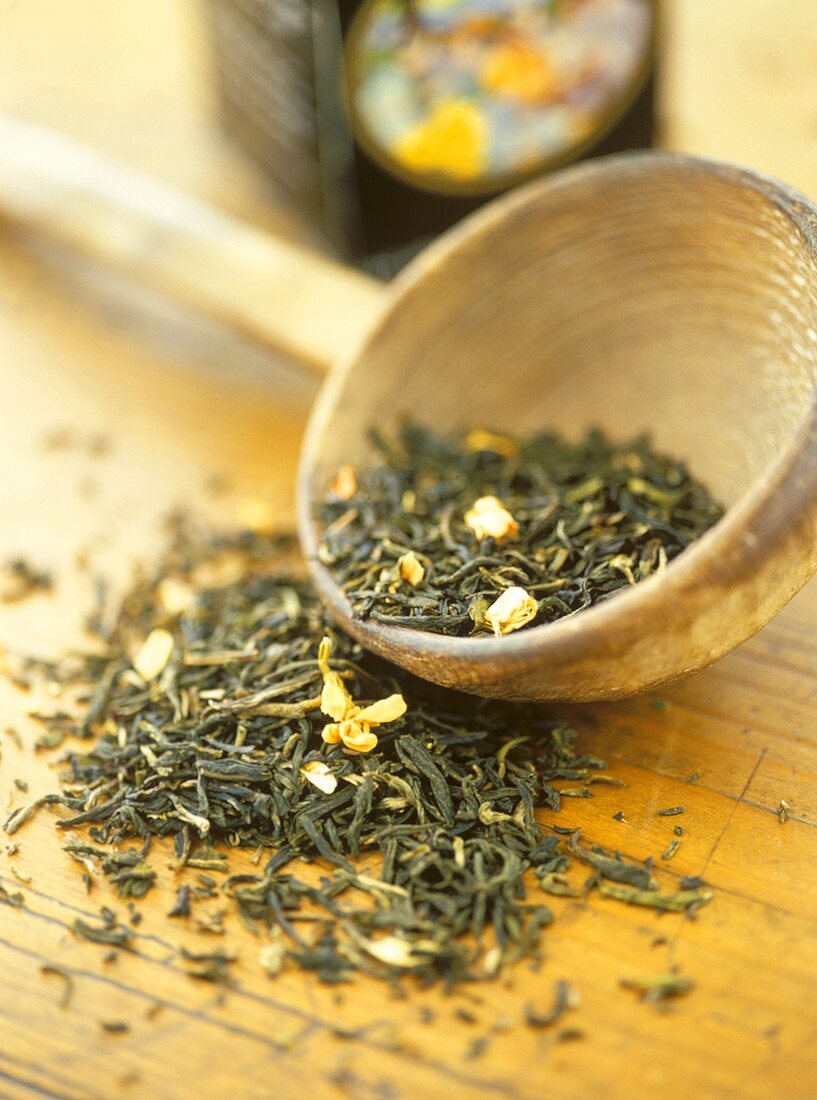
564,997
68,982
659,987
653,899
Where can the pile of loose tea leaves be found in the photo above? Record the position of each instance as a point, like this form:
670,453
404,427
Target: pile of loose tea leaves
225,713
487,533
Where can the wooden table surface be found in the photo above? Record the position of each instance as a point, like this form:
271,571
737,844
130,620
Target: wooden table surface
180,401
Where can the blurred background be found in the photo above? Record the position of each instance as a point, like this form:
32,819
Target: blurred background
158,85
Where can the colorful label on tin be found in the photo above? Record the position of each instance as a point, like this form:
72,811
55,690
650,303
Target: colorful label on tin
471,96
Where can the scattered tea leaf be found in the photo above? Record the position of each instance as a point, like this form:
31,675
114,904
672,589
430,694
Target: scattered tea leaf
659,987
16,900
109,933
20,816
68,982
615,869
451,805
654,899
208,966
563,996
181,906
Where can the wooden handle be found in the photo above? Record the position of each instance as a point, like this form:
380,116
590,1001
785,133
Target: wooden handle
294,300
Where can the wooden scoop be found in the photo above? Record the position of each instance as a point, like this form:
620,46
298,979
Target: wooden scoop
645,291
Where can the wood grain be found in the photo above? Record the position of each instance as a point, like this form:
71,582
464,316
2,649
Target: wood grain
182,401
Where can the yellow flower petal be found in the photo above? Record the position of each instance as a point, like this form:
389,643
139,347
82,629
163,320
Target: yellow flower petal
480,440
384,710
489,518
452,140
351,723
324,653
510,611
154,654
331,733
335,699
320,775
357,736
410,568
344,483
521,71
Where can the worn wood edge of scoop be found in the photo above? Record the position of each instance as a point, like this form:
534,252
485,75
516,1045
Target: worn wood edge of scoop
714,596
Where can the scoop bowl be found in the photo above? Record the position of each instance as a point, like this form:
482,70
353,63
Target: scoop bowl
642,292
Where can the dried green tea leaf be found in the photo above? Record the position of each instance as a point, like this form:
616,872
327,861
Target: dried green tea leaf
614,869
659,987
112,934
68,982
564,998
510,536
208,966
15,900
20,816
654,899
446,809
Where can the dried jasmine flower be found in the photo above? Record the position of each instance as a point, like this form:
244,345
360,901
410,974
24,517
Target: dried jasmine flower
352,724
511,611
320,775
176,597
410,568
344,484
488,518
151,659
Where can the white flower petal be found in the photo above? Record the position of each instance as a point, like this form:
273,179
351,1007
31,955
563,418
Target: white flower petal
320,775
510,611
153,654
489,518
